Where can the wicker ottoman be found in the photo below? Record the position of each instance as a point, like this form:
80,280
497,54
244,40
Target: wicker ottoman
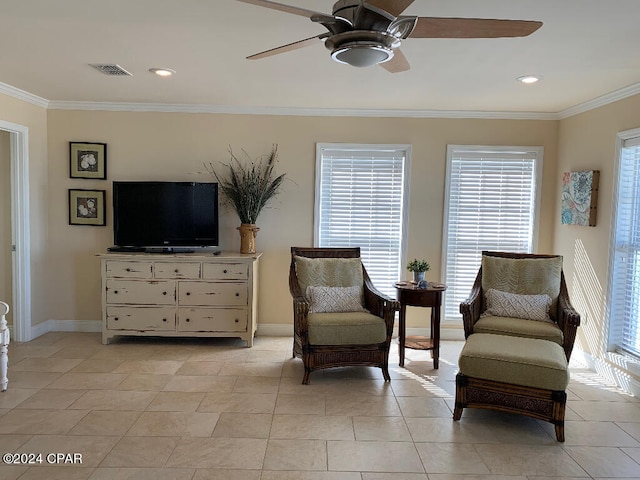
526,376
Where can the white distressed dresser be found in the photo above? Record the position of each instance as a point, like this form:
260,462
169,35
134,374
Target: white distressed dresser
179,295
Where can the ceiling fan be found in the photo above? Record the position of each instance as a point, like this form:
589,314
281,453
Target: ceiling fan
369,32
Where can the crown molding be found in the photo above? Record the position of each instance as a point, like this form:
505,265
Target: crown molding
597,102
286,111
600,101
24,96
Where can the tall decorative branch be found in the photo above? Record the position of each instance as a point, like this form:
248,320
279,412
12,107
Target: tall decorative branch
248,185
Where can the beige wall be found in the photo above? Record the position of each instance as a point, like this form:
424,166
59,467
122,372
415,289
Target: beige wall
35,119
588,142
173,146
5,220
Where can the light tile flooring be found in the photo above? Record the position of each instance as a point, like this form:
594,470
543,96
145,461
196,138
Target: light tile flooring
211,409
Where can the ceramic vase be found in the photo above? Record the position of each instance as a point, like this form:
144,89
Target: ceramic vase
248,232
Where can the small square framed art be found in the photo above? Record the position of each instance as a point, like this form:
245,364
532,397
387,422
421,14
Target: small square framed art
87,207
88,160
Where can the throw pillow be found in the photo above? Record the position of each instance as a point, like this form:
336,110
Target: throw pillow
529,307
334,299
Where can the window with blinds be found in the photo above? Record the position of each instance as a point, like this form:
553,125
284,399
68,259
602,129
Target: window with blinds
360,201
624,276
491,203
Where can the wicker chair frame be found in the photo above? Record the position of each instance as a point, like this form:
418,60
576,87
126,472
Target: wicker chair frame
317,357
567,318
547,405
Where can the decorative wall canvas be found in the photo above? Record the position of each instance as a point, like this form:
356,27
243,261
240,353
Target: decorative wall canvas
86,207
88,160
580,197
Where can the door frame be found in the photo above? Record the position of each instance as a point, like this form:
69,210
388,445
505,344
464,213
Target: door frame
20,232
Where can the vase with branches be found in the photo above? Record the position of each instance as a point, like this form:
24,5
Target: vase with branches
248,186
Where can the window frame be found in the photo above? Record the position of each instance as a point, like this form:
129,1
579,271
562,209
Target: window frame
537,201
613,334
345,147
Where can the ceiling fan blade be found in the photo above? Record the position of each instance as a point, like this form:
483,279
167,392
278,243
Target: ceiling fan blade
397,64
394,7
432,27
287,48
282,7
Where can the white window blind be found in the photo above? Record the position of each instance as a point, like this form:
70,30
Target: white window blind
490,204
624,281
360,202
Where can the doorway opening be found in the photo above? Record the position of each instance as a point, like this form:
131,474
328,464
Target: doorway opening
20,234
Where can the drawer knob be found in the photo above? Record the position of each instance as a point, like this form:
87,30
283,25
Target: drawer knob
224,271
237,294
115,319
164,319
188,293
164,293
237,321
115,292
188,320
128,269
176,270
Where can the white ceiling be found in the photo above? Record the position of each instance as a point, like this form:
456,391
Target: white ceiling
585,49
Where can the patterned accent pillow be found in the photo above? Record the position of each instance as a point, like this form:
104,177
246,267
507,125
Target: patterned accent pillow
334,299
529,307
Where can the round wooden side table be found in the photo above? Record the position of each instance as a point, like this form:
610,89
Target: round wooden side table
408,294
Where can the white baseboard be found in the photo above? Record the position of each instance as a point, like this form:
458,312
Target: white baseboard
65,326
264,329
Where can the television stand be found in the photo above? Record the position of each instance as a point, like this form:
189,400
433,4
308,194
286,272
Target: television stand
199,295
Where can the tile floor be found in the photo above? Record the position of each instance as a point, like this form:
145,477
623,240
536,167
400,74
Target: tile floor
211,409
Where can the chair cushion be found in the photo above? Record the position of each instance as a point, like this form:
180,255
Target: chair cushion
328,272
518,327
346,328
334,299
530,307
524,276
519,361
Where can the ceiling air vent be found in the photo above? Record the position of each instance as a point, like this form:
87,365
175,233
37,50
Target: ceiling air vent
110,69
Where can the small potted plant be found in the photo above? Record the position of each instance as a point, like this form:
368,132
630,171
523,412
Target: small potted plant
418,267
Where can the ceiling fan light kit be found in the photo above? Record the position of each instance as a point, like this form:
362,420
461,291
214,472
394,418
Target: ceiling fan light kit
363,33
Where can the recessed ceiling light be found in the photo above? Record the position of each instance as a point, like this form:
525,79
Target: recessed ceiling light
529,79
162,72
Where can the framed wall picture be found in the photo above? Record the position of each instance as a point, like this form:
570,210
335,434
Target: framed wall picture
580,198
87,207
88,160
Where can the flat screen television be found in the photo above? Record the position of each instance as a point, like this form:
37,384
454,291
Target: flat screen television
163,215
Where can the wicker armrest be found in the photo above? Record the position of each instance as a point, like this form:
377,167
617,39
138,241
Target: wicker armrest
300,304
472,306
568,319
380,304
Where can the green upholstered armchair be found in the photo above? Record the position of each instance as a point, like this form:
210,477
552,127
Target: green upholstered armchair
522,274
340,319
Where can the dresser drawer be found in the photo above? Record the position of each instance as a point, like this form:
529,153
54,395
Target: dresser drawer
141,318
212,319
115,268
141,292
177,270
225,271
212,294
